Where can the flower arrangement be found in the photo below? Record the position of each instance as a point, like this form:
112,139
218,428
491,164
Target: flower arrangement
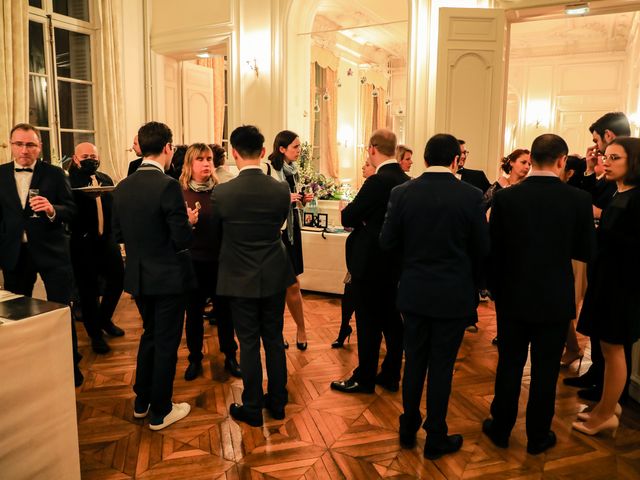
323,187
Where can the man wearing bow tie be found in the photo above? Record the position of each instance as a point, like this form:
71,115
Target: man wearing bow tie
35,205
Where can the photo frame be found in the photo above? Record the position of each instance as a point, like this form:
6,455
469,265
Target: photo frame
322,220
309,220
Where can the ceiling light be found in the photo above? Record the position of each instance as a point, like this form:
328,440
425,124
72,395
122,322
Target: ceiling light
203,55
577,9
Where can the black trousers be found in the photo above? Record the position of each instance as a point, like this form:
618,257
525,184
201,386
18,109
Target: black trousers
347,306
547,343
93,259
162,319
376,314
430,344
207,276
255,319
57,283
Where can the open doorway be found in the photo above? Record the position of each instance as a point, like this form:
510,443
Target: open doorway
564,73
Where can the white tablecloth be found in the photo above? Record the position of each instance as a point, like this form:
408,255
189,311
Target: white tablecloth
324,262
38,426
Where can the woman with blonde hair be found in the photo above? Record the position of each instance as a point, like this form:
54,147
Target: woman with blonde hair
197,181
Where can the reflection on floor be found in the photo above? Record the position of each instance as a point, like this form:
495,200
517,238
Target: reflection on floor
325,434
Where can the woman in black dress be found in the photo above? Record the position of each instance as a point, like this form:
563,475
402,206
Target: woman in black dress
611,309
286,150
516,167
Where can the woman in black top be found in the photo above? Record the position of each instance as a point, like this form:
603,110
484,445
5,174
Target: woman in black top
611,309
286,150
516,166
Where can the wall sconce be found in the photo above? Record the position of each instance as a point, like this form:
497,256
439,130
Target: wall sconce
253,65
316,107
326,97
363,80
538,113
387,102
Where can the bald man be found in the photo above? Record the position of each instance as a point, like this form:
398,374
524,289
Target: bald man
94,253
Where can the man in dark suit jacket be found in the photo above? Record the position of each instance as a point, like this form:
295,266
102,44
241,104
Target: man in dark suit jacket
94,253
254,272
438,223
374,275
477,178
536,228
33,237
604,130
135,164
150,218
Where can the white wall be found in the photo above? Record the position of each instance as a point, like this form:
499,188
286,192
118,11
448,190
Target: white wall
633,76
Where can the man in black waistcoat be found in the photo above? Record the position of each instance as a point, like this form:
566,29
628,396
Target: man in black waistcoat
536,228
150,218
94,254
254,273
33,235
374,274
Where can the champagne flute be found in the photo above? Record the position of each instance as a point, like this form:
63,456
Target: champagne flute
33,192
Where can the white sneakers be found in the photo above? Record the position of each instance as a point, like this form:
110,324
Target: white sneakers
178,412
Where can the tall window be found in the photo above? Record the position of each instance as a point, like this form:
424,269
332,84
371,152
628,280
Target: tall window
61,77
318,106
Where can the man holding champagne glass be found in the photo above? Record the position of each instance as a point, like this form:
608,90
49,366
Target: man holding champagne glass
36,202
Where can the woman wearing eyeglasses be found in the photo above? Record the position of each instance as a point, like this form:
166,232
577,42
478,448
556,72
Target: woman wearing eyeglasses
611,310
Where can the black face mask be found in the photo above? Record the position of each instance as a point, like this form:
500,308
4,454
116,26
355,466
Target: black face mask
89,166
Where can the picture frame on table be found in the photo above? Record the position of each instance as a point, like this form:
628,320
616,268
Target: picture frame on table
322,220
309,220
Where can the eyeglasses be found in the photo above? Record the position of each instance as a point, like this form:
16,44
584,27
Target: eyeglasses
464,152
611,157
29,145
371,145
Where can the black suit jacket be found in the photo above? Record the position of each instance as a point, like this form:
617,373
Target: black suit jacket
85,223
134,165
601,190
248,213
365,214
440,226
537,227
150,218
48,241
477,178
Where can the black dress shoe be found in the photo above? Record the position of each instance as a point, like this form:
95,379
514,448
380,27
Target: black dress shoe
275,412
238,413
583,381
539,447
78,378
435,450
231,366
351,386
409,426
113,330
193,370
592,394
388,385
286,344
407,439
99,346
498,440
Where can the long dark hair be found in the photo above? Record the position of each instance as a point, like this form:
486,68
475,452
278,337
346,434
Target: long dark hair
283,139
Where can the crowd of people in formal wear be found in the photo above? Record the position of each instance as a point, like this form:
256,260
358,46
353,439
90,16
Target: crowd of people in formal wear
421,254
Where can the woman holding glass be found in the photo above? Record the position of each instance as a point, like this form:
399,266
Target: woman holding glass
611,309
197,181
282,166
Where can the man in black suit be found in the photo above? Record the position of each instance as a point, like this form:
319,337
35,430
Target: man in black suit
94,253
439,225
604,131
135,164
536,228
150,218
33,236
254,272
374,275
477,178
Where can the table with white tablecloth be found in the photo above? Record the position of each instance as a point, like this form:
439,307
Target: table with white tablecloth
38,425
324,261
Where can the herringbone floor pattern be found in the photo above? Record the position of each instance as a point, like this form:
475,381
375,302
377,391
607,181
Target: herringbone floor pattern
326,435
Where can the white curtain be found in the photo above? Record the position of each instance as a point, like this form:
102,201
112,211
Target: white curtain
14,73
111,111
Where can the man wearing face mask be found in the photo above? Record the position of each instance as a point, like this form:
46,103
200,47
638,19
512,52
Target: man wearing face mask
94,252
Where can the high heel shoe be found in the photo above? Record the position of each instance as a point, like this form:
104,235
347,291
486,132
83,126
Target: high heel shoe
611,424
586,415
302,346
286,344
345,333
569,357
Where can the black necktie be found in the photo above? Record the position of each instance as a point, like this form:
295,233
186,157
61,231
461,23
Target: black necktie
24,169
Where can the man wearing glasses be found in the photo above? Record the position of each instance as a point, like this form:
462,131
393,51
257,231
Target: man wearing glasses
35,203
477,178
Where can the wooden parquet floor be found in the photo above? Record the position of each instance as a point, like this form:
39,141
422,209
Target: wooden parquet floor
326,435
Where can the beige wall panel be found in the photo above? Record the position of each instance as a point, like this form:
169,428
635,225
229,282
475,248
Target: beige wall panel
171,16
591,78
197,103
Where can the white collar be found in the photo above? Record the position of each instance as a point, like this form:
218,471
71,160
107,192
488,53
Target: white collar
542,173
438,169
17,165
386,162
250,167
147,161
